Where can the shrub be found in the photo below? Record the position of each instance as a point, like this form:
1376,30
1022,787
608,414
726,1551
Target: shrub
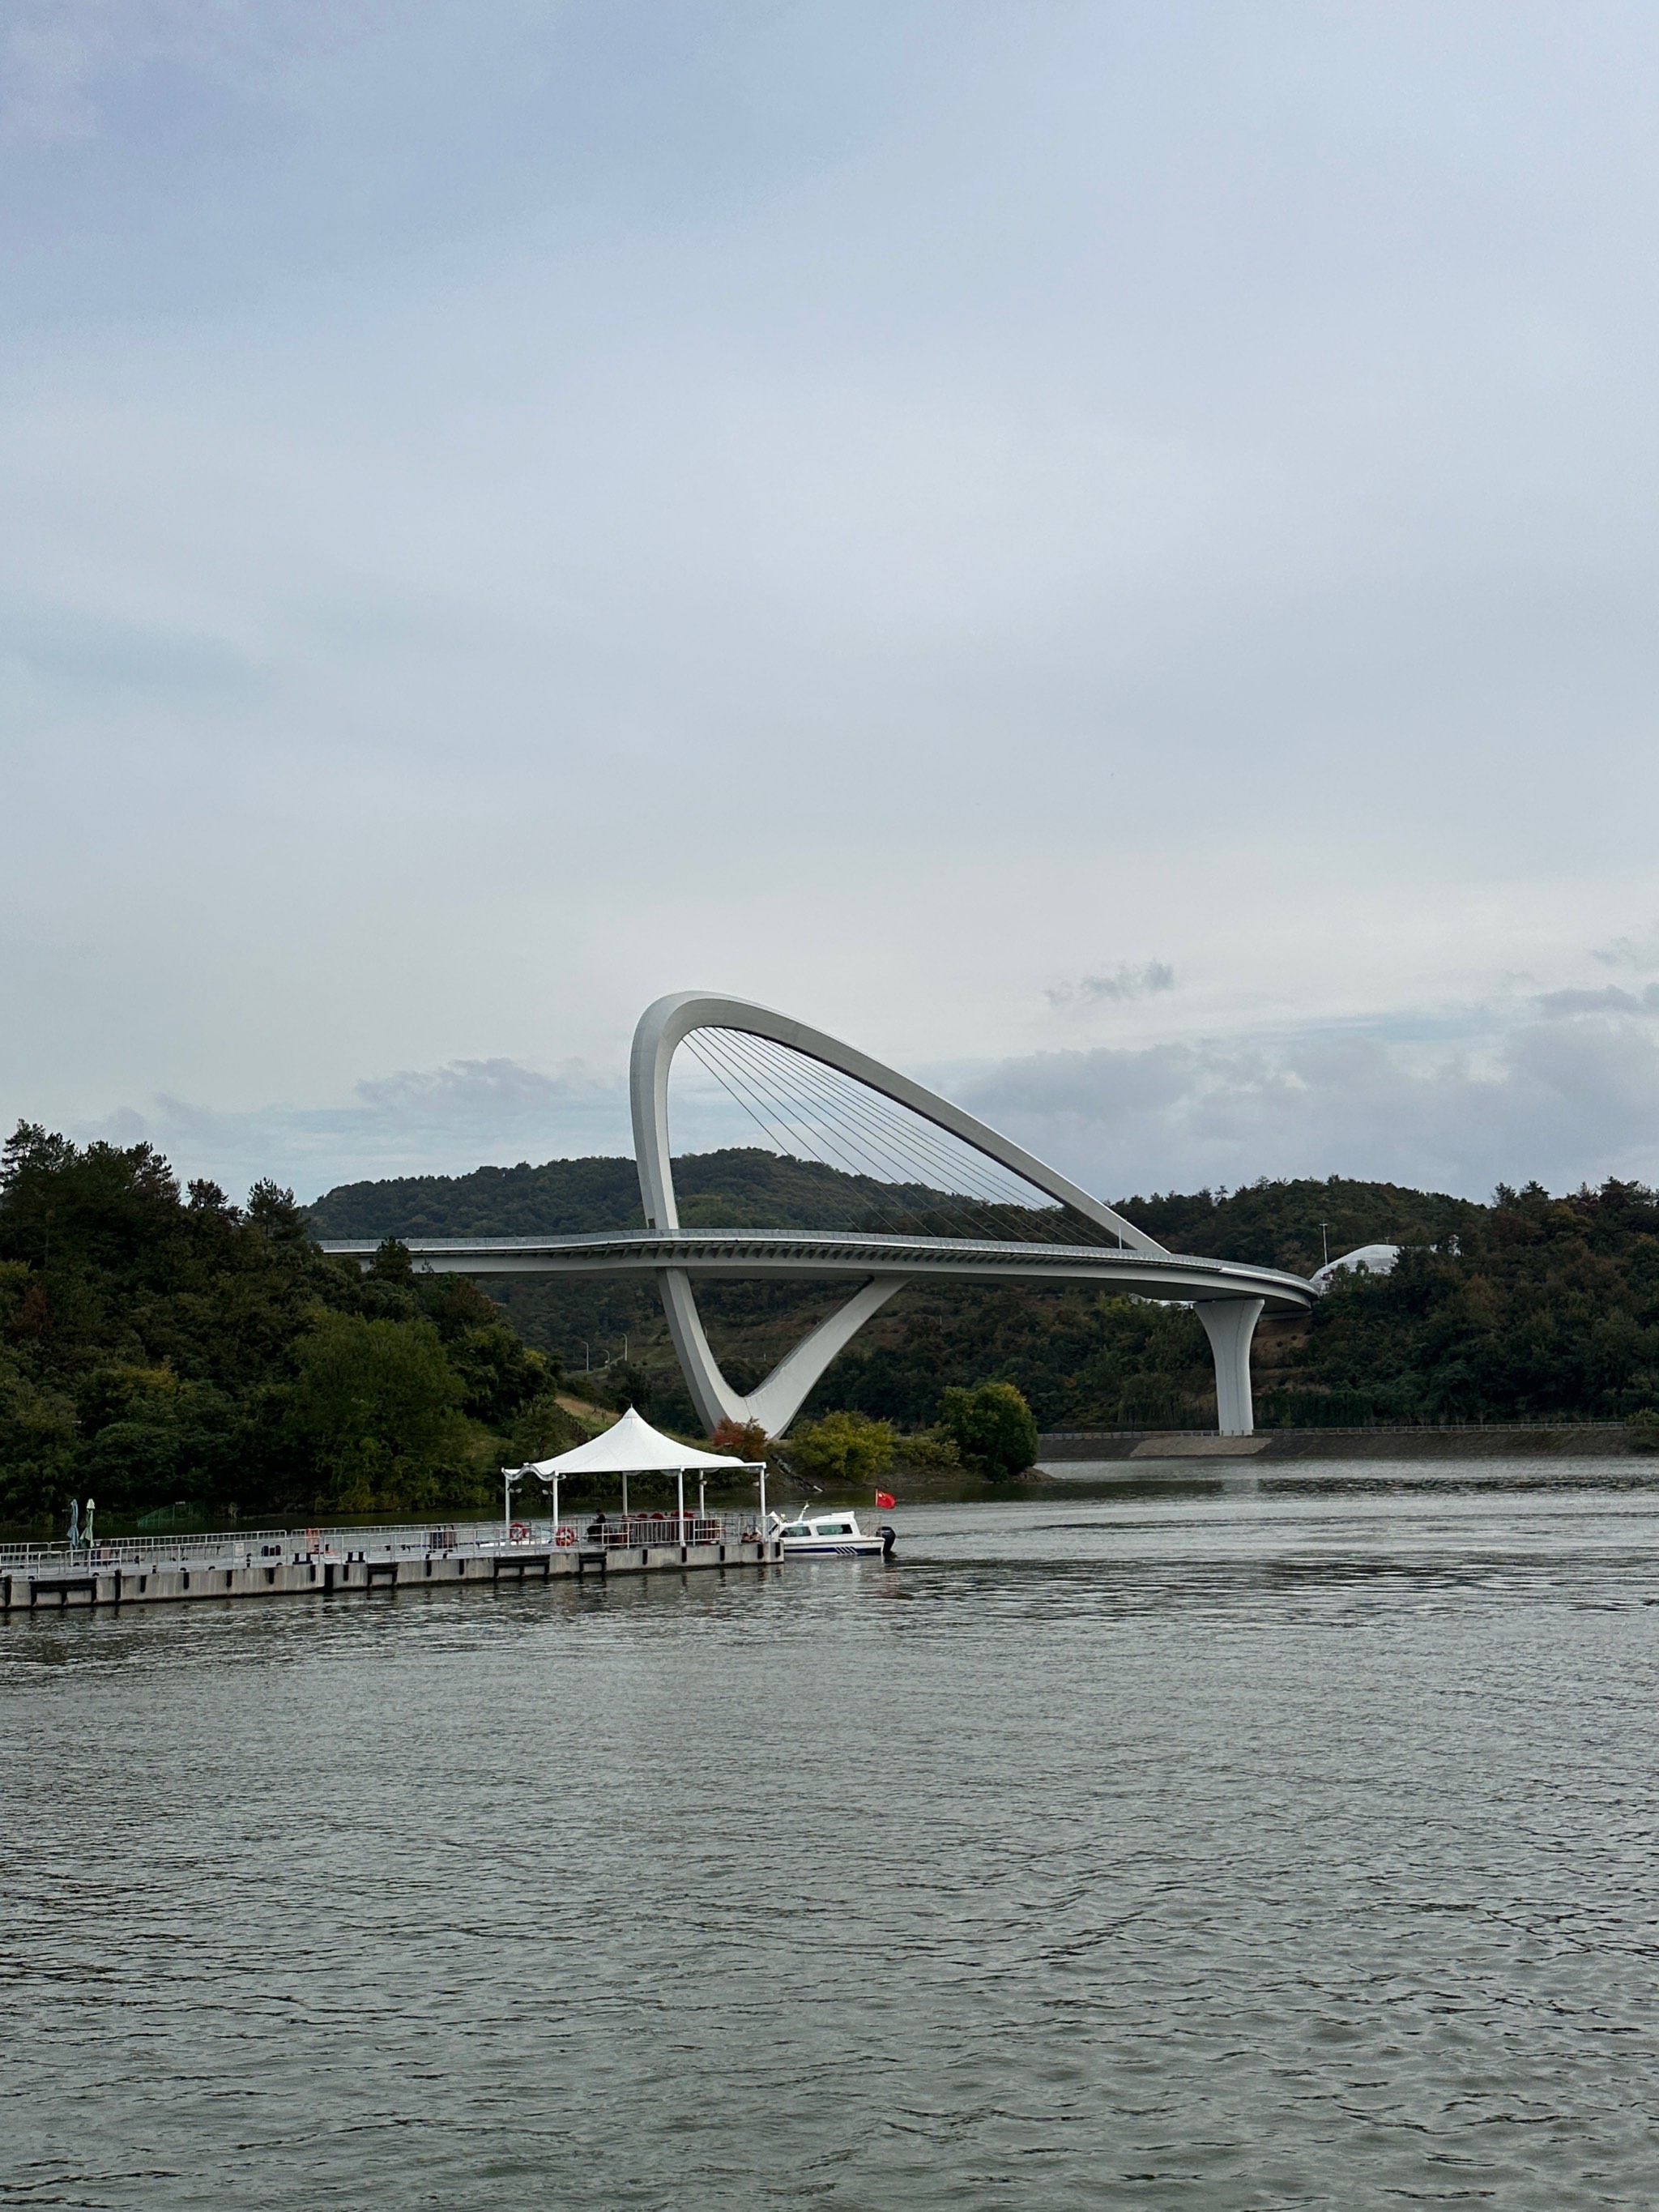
745,1440
1641,1430
928,1449
848,1448
991,1426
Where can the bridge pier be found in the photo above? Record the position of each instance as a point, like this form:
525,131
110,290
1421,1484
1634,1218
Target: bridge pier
1229,1324
776,1402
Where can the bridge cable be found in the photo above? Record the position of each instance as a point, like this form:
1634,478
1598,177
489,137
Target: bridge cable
770,1136
791,1141
907,1153
854,1133
917,1151
851,1150
919,1158
860,1132
880,1133
915,1140
1014,1193
923,1180
720,1049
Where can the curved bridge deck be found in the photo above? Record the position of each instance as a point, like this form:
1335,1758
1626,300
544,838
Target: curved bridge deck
1176,1276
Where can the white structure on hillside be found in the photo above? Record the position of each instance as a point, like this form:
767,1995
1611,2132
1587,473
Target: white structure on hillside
1367,1260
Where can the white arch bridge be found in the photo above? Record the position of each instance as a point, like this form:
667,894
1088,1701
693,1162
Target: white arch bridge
794,1080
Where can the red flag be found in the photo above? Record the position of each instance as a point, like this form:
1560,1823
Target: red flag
885,1501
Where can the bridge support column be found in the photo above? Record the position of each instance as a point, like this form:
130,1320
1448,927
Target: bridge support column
1230,1323
711,1394
776,1402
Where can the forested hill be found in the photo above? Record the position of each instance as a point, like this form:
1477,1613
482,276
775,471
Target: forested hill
1525,1308
1297,1224
159,1345
742,1188
1278,1223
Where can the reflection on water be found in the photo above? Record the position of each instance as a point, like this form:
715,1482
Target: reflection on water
1197,1847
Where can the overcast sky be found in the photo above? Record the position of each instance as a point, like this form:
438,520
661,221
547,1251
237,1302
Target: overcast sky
1105,552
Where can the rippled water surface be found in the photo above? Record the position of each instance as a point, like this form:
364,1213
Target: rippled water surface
1207,1849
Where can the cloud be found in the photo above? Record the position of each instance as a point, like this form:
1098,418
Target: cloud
1558,1005
441,1120
1642,952
1124,982
486,482
68,64
1567,1094
1570,1099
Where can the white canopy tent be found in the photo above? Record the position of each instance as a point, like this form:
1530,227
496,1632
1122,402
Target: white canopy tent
632,1446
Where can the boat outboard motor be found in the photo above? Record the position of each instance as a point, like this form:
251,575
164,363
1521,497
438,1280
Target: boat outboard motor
889,1537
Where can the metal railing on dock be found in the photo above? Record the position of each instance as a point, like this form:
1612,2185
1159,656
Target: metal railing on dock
254,1548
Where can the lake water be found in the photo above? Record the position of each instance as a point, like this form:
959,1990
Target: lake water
1207,1849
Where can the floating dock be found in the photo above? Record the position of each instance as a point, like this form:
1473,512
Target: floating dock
330,1562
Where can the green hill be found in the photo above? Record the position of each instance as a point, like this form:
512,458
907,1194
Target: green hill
740,1188
159,1345
1528,1307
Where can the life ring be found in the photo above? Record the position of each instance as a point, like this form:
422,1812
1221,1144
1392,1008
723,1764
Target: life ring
565,1539
519,1532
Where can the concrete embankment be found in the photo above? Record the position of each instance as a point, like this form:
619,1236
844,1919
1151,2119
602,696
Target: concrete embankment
1568,1440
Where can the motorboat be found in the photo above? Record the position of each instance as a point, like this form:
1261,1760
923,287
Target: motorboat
831,1535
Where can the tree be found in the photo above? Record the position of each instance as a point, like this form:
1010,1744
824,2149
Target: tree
378,1405
272,1208
846,1448
154,1346
542,1429
992,1425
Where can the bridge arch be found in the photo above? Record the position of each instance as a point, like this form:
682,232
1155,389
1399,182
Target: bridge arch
1228,1296
664,1026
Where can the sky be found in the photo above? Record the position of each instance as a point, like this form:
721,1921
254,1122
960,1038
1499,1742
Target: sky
1105,553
